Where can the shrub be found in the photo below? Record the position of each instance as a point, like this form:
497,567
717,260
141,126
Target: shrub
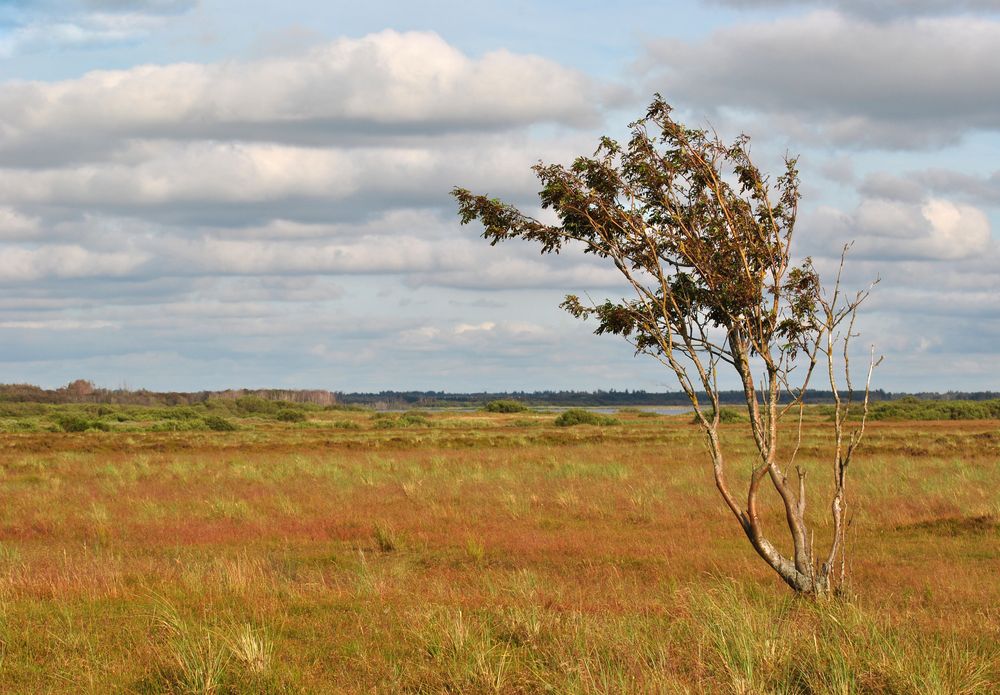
22,409
219,424
579,416
177,426
174,413
255,405
411,418
727,416
289,415
347,425
506,405
71,422
384,420
910,408
347,407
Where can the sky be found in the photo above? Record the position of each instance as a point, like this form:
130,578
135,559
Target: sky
204,194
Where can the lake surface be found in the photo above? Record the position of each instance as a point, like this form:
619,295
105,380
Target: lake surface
603,409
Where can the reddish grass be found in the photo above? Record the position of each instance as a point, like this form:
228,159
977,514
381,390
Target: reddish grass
612,535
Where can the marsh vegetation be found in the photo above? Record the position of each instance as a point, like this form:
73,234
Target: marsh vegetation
474,552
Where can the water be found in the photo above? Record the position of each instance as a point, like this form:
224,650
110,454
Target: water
603,409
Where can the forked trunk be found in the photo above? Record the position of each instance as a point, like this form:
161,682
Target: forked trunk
809,583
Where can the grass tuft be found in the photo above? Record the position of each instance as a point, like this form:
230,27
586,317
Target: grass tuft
386,537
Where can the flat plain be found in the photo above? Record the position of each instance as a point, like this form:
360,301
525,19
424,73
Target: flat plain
341,551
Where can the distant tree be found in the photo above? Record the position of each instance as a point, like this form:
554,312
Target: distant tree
80,388
702,238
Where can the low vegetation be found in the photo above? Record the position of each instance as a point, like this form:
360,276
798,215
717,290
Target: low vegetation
472,552
910,408
579,416
214,415
505,406
727,416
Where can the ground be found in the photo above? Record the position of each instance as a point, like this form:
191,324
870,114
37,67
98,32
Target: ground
475,552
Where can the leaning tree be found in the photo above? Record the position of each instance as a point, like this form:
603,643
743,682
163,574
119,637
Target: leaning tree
703,239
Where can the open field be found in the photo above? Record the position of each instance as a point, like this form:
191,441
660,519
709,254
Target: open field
474,552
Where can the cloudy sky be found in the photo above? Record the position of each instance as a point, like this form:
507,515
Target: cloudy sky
214,193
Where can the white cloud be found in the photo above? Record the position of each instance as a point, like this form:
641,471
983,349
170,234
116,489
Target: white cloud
388,82
288,217
936,229
504,338
467,327
56,325
841,79
14,225
18,264
876,8
957,231
519,267
273,181
367,255
50,24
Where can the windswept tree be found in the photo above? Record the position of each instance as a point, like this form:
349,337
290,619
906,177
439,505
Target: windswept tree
703,239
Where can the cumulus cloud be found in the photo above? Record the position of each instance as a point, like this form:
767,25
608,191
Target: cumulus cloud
399,254
385,83
56,325
833,78
18,264
978,189
484,339
890,230
518,270
891,187
15,225
290,215
933,311
419,248
880,9
222,174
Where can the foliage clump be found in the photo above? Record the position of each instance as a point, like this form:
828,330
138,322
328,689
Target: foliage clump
505,405
911,408
74,422
579,416
255,406
290,415
410,418
217,423
177,426
727,416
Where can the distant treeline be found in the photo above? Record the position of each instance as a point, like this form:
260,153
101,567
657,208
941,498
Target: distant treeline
83,391
611,398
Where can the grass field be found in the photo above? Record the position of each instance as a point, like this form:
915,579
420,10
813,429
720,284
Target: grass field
475,552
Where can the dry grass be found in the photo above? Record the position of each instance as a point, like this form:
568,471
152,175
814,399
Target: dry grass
481,553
